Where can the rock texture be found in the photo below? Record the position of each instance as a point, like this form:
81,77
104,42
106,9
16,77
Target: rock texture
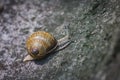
93,24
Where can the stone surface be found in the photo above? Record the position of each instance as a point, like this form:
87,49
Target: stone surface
111,69
92,27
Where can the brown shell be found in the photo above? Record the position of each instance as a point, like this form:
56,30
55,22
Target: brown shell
40,43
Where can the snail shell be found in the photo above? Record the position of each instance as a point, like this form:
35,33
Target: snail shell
41,43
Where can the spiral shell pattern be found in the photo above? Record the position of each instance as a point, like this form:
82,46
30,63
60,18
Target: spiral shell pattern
40,43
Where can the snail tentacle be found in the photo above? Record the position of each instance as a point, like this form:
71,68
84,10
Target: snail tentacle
62,43
65,41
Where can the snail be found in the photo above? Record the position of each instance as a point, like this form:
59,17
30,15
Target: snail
41,43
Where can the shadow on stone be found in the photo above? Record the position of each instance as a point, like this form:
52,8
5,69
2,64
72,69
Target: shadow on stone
46,58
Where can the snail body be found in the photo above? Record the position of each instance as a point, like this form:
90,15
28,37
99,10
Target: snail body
40,43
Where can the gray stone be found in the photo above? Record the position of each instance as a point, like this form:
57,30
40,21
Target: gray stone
92,26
